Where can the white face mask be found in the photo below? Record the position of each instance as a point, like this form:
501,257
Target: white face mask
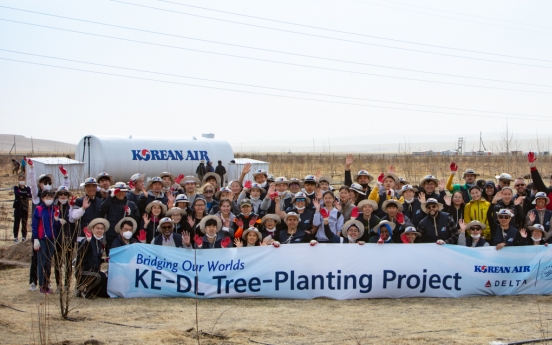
21,183
271,230
63,201
98,238
350,239
254,199
299,208
536,239
47,187
281,193
48,202
211,236
475,237
127,235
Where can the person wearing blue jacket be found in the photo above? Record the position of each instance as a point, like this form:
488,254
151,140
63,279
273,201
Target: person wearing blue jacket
46,225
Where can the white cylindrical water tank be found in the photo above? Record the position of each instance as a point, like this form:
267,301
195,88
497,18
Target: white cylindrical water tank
123,157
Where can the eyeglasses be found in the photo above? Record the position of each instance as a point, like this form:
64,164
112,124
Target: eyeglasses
63,194
503,217
208,192
475,228
166,227
520,185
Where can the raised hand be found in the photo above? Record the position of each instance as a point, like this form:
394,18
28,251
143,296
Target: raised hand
318,175
390,194
318,193
276,244
453,168
400,218
462,225
442,184
252,221
63,170
447,199
186,238
274,195
532,216
87,233
271,189
497,197
225,242
354,213
198,240
56,212
179,178
391,169
225,221
170,197
523,232
324,213
531,158
130,184
238,222
316,204
72,200
422,197
519,200
191,221
146,219
238,243
30,162
85,202
247,185
337,205
349,159
127,210
313,243
114,192
381,178
404,239
142,236
381,240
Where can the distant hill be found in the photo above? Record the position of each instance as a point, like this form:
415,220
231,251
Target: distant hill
24,145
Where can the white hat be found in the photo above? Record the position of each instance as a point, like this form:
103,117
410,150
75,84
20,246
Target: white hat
395,177
254,230
88,181
223,190
103,175
469,172
504,176
538,227
368,202
407,187
350,223
190,179
391,201
541,195
137,176
153,180
310,179
281,180
296,180
292,214
257,186
181,198
99,221
412,230
166,173
475,222
212,174
121,186
272,216
259,172
301,195
205,219
432,201
429,178
158,203
505,212
125,219
385,222
357,188
365,173
49,176
175,210
62,189
164,220
326,179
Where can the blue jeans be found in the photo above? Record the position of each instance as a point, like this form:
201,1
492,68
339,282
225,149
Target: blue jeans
45,257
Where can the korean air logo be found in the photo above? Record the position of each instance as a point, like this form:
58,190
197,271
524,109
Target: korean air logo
145,154
502,269
169,155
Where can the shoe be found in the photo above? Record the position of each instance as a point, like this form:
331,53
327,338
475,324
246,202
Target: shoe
23,239
15,240
45,291
33,287
57,290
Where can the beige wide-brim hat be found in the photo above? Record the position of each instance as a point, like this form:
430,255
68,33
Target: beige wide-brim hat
98,221
367,202
212,174
205,219
223,190
166,173
538,227
439,206
302,195
154,180
429,178
175,210
130,219
475,222
292,214
364,173
189,178
325,178
158,203
391,201
350,223
384,222
395,177
272,216
252,229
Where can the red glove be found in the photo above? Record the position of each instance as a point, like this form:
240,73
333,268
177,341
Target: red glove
63,170
179,178
381,240
248,184
531,157
56,211
391,193
142,236
198,240
106,260
72,201
131,184
29,161
127,210
453,167
403,238
400,218
87,233
324,213
238,233
239,222
380,178
252,221
354,212
273,195
225,242
115,191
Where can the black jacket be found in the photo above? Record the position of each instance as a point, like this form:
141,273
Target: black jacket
118,242
89,255
91,213
113,210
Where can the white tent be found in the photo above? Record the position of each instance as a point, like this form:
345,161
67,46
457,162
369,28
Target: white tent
50,165
235,169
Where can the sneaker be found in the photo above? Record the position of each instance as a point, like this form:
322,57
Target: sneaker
33,287
45,291
23,239
15,240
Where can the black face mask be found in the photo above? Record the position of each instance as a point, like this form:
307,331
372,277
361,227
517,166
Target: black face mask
364,185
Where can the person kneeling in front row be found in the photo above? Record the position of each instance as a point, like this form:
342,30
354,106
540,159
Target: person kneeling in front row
92,282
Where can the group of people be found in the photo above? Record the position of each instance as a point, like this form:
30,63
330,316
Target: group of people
191,213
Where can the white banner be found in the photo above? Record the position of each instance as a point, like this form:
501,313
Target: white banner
337,271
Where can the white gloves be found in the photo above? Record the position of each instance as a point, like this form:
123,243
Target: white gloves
36,245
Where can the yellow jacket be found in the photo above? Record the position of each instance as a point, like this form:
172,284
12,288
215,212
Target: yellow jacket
374,195
477,210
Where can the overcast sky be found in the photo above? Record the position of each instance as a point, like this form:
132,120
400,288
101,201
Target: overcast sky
63,104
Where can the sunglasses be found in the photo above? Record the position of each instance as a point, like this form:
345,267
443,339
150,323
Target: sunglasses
166,227
431,206
520,185
208,192
475,228
300,200
503,217
63,194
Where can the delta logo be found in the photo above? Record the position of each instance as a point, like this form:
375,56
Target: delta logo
502,269
168,155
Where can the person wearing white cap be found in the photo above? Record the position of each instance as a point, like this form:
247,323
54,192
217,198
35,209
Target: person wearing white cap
251,237
540,215
300,205
190,183
363,177
125,229
277,194
293,234
150,219
384,189
475,228
468,176
383,233
104,181
505,199
92,282
167,236
393,212
428,188
367,217
504,180
136,185
537,179
327,213
477,209
152,192
309,188
270,230
116,207
506,234
178,216
437,227
410,235
352,231
538,236
87,207
412,207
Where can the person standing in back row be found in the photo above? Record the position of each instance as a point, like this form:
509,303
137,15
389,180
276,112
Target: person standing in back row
22,194
201,170
221,171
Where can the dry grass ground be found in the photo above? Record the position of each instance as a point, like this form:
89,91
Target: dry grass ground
476,320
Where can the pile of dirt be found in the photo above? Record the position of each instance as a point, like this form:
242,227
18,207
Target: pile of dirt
22,252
